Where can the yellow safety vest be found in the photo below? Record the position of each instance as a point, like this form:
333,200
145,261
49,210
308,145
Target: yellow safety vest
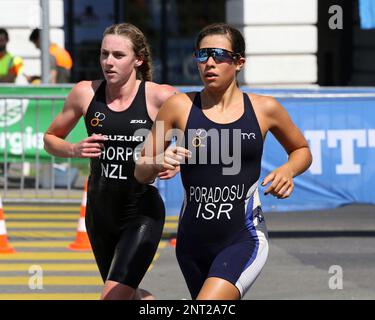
6,63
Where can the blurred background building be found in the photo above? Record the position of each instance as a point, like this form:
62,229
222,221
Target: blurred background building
290,42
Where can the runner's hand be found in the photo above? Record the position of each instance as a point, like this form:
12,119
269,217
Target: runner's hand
282,182
168,174
91,147
171,158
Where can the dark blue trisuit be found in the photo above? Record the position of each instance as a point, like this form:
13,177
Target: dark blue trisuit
124,219
222,232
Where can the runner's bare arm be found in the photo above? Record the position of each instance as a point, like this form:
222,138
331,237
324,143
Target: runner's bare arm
291,138
54,138
154,158
164,92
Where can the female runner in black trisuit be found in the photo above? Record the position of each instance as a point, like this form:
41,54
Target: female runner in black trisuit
124,218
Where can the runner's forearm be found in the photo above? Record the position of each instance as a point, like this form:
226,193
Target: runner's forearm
58,147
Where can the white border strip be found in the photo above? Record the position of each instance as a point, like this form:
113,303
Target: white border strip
321,95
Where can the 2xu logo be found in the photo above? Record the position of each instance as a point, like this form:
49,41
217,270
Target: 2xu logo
138,121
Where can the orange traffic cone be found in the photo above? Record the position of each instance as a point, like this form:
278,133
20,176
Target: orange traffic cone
172,242
4,246
82,240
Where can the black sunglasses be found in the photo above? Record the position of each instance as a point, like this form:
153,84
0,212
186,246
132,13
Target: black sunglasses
218,54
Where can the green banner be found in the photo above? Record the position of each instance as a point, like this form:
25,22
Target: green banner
24,119
35,90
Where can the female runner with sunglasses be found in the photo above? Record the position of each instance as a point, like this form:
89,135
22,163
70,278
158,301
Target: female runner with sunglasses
222,242
124,218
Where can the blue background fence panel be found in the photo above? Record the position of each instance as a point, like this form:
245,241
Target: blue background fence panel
341,134
367,14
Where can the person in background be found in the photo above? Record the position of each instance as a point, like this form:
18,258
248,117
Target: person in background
61,62
10,65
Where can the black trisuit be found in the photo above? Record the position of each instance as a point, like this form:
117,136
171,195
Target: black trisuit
124,219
